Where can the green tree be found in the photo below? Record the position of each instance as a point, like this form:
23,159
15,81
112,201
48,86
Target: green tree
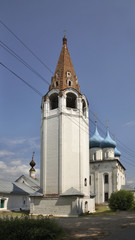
121,200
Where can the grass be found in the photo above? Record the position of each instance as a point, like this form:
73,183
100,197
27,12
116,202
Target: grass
14,214
26,228
102,210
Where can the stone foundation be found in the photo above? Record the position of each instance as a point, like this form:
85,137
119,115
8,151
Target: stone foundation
70,206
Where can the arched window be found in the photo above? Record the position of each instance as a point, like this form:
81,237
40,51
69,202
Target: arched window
90,180
71,100
69,83
54,101
85,182
84,107
86,207
106,179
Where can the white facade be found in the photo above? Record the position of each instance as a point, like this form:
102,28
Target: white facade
65,146
61,206
14,202
15,196
64,168
107,173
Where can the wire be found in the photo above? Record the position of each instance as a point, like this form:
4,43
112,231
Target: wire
40,94
50,71
26,47
127,148
29,85
5,47
129,163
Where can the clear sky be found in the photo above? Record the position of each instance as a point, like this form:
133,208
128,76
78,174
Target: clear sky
101,42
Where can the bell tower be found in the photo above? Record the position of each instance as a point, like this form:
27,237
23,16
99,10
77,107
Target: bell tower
64,168
64,132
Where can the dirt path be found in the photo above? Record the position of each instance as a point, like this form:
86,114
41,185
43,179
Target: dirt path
118,227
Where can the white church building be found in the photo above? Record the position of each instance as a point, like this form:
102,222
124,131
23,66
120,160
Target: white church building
107,174
75,172
64,168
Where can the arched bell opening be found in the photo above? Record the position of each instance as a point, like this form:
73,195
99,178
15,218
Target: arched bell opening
53,101
71,100
84,107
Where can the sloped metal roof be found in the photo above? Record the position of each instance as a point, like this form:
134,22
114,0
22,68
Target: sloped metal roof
72,192
31,182
14,188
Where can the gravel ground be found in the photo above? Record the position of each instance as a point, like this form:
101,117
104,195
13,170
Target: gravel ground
117,227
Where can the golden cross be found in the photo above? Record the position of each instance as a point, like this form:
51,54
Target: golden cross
107,123
65,33
95,118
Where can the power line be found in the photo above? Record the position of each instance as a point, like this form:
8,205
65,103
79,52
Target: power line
26,47
29,85
127,148
49,70
120,145
129,163
9,50
28,66
40,94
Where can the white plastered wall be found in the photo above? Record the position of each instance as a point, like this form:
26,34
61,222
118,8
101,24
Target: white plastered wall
98,170
64,147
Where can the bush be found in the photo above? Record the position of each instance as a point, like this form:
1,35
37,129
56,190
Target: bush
29,229
121,200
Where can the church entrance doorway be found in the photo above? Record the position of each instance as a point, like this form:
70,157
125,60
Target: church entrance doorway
106,197
86,207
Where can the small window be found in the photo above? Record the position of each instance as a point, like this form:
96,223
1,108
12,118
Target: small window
106,197
106,178
69,83
68,74
85,182
56,84
90,180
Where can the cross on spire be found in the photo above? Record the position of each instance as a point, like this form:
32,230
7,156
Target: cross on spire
107,123
65,33
33,154
95,118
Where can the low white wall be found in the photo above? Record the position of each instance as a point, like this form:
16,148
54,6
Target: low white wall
15,202
60,206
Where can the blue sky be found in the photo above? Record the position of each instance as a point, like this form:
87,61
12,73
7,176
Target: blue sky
101,42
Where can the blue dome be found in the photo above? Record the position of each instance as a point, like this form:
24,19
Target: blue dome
108,142
96,139
117,153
